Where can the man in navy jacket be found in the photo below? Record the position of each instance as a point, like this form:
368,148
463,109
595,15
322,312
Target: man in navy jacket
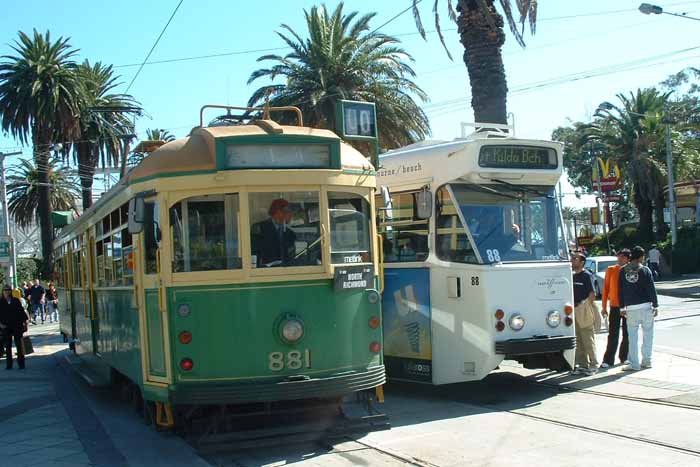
639,304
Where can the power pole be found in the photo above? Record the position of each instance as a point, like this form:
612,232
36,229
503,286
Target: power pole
7,249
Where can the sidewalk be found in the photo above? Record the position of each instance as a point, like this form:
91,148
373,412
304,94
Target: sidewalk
685,286
673,379
50,417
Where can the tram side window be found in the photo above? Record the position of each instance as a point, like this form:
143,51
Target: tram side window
285,229
350,228
127,257
99,248
151,231
404,235
452,242
117,258
203,238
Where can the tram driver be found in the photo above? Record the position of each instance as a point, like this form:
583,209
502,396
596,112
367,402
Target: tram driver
272,239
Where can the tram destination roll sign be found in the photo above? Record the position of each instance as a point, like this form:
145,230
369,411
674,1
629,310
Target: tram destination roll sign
517,157
353,277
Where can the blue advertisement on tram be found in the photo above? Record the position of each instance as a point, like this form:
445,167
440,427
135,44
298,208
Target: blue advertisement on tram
407,333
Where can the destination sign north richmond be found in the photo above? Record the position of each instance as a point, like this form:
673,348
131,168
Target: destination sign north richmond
517,157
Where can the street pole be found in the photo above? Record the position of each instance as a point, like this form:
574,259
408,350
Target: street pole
11,268
671,186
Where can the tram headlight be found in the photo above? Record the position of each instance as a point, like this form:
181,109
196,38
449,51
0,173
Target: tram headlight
373,297
292,330
553,319
516,322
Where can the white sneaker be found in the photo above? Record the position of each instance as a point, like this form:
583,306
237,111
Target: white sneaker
591,371
577,371
629,368
604,366
646,365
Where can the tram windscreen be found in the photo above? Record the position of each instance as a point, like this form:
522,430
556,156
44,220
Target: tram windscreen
512,223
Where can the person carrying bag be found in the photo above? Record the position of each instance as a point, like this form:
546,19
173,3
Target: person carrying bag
14,320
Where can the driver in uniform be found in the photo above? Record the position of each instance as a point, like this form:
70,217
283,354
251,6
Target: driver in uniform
272,239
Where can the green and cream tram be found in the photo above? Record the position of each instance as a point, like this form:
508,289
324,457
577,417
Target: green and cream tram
476,267
236,265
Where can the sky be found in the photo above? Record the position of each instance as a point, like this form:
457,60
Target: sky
583,53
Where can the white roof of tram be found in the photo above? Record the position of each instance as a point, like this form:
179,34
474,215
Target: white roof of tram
440,162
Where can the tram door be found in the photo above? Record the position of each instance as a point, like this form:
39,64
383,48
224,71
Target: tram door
152,294
91,283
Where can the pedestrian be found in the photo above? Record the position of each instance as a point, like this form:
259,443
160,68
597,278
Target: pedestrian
584,316
52,303
655,261
616,322
37,295
639,304
14,322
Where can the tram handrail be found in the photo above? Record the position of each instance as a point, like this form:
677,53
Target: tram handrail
266,111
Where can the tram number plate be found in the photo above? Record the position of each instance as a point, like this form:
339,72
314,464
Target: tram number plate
292,360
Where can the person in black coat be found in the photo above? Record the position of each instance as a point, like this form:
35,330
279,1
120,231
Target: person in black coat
13,320
272,239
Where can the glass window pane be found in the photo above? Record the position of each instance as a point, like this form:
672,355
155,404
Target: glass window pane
350,232
151,231
205,233
285,229
452,241
404,235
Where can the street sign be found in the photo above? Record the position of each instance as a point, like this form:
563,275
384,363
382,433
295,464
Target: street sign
613,198
607,184
585,240
5,250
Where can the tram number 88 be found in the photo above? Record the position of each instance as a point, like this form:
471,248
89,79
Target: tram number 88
292,360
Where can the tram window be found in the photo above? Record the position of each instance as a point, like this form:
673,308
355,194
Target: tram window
127,257
151,236
109,273
100,260
203,239
285,229
452,242
404,235
350,227
117,258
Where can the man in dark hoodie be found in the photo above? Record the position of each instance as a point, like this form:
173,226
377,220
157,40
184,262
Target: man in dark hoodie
638,303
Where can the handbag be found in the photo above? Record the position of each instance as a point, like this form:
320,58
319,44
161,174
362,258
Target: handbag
27,344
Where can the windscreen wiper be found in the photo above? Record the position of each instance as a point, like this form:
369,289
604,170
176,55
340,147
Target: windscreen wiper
523,188
485,189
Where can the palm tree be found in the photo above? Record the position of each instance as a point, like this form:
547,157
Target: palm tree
39,94
341,59
634,131
23,187
480,28
152,134
104,123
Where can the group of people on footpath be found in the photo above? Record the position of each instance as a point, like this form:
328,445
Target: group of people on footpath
630,292
17,308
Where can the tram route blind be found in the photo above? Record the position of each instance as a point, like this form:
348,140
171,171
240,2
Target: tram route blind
517,157
278,156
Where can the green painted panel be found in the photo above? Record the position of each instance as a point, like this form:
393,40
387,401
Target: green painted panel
83,325
154,330
235,330
119,337
65,314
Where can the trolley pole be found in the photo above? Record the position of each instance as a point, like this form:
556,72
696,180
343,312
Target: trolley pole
7,250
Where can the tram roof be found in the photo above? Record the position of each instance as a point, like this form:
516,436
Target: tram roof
197,152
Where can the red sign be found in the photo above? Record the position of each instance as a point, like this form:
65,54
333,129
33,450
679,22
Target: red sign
607,184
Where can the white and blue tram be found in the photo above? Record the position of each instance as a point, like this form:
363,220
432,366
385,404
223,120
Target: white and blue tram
475,258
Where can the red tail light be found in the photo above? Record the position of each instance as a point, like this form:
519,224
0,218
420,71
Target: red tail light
568,309
185,337
374,322
500,314
500,326
375,347
568,321
186,364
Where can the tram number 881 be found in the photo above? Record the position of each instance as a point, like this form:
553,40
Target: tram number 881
292,360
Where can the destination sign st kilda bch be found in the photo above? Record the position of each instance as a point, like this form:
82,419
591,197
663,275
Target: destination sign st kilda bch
517,157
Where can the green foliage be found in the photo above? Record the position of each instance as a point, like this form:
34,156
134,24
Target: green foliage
686,253
26,269
342,59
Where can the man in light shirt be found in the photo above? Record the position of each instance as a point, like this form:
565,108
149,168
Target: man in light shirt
655,261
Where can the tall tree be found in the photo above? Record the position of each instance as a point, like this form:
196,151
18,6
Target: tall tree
481,32
23,190
342,59
104,121
39,96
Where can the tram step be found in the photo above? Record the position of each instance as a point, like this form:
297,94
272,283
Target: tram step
91,375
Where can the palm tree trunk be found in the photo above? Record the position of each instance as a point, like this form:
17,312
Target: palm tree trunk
661,227
86,175
41,157
645,211
482,40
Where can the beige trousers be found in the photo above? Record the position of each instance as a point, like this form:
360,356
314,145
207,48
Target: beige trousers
585,338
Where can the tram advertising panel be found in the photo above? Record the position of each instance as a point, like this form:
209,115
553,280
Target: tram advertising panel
406,307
